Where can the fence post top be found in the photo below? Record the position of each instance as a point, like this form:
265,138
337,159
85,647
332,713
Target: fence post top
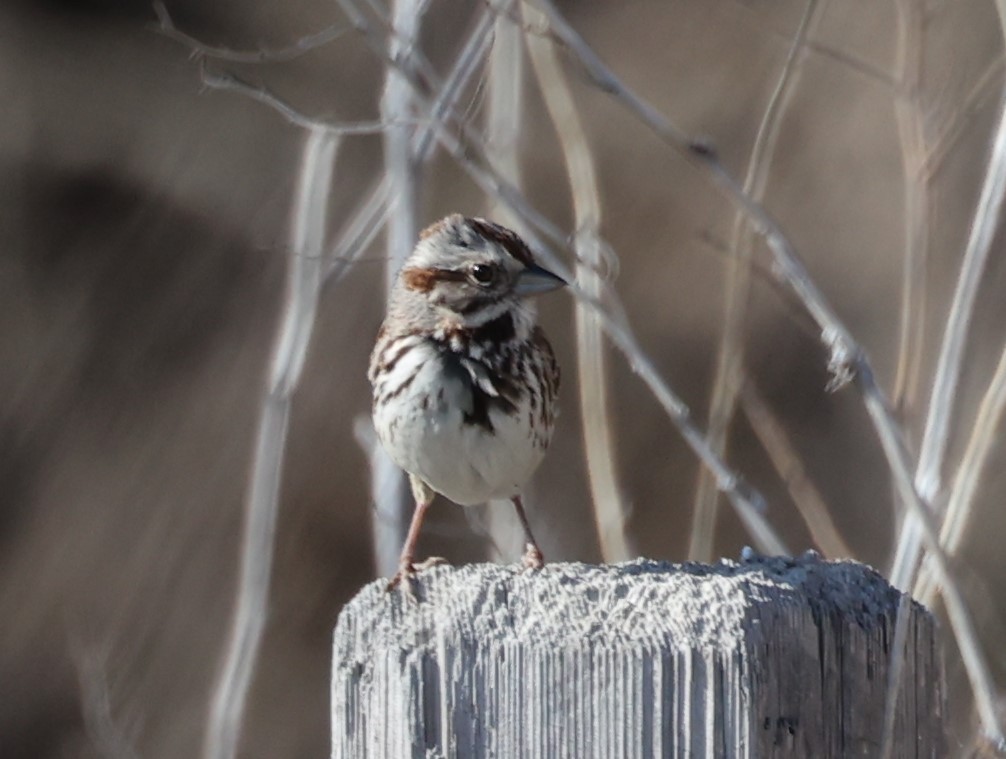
641,601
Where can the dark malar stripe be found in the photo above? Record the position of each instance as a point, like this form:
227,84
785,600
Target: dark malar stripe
494,334
499,331
477,304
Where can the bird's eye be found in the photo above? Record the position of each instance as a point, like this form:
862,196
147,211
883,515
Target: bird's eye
483,274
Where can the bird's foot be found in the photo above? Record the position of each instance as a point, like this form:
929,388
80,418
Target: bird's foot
407,573
432,561
533,558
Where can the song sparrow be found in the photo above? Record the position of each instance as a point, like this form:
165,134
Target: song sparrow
464,382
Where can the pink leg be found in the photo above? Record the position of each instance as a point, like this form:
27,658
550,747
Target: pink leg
533,558
406,562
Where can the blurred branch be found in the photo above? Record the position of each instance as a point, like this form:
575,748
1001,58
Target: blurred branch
402,172
387,484
372,213
818,48
899,651
958,614
928,473
960,505
948,133
198,48
289,352
227,81
610,510
912,313
106,736
503,116
847,359
230,82
730,358
772,436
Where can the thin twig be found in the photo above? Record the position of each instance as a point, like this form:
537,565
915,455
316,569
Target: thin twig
786,460
105,733
372,214
227,81
503,120
947,134
728,376
912,313
895,671
968,643
386,479
361,231
610,510
402,228
928,475
197,48
289,351
985,435
818,48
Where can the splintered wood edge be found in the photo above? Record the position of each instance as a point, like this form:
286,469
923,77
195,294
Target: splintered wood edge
646,601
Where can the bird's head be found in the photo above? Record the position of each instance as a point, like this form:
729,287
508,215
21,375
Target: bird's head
473,270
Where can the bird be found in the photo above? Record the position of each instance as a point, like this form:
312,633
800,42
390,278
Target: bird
465,383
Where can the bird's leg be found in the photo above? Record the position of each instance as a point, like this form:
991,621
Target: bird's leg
406,562
533,558
406,565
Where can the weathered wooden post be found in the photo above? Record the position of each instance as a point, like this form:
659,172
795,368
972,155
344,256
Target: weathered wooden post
768,657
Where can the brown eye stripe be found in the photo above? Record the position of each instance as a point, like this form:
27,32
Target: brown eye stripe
423,280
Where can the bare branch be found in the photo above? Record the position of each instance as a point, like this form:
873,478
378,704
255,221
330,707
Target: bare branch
911,131
610,510
230,691
948,133
403,173
200,49
108,737
985,434
816,47
502,88
963,627
950,362
730,358
230,82
369,220
786,460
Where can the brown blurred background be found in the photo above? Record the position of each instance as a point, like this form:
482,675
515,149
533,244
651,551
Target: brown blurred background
144,244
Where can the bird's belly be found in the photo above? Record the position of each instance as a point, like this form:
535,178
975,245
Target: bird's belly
427,435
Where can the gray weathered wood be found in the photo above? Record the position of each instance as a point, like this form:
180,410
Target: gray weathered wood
768,657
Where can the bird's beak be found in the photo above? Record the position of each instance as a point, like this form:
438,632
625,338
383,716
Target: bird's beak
534,280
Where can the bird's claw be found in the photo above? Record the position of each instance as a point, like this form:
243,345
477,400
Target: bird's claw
432,561
533,558
407,572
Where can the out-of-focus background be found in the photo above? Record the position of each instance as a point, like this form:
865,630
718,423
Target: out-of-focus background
144,245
